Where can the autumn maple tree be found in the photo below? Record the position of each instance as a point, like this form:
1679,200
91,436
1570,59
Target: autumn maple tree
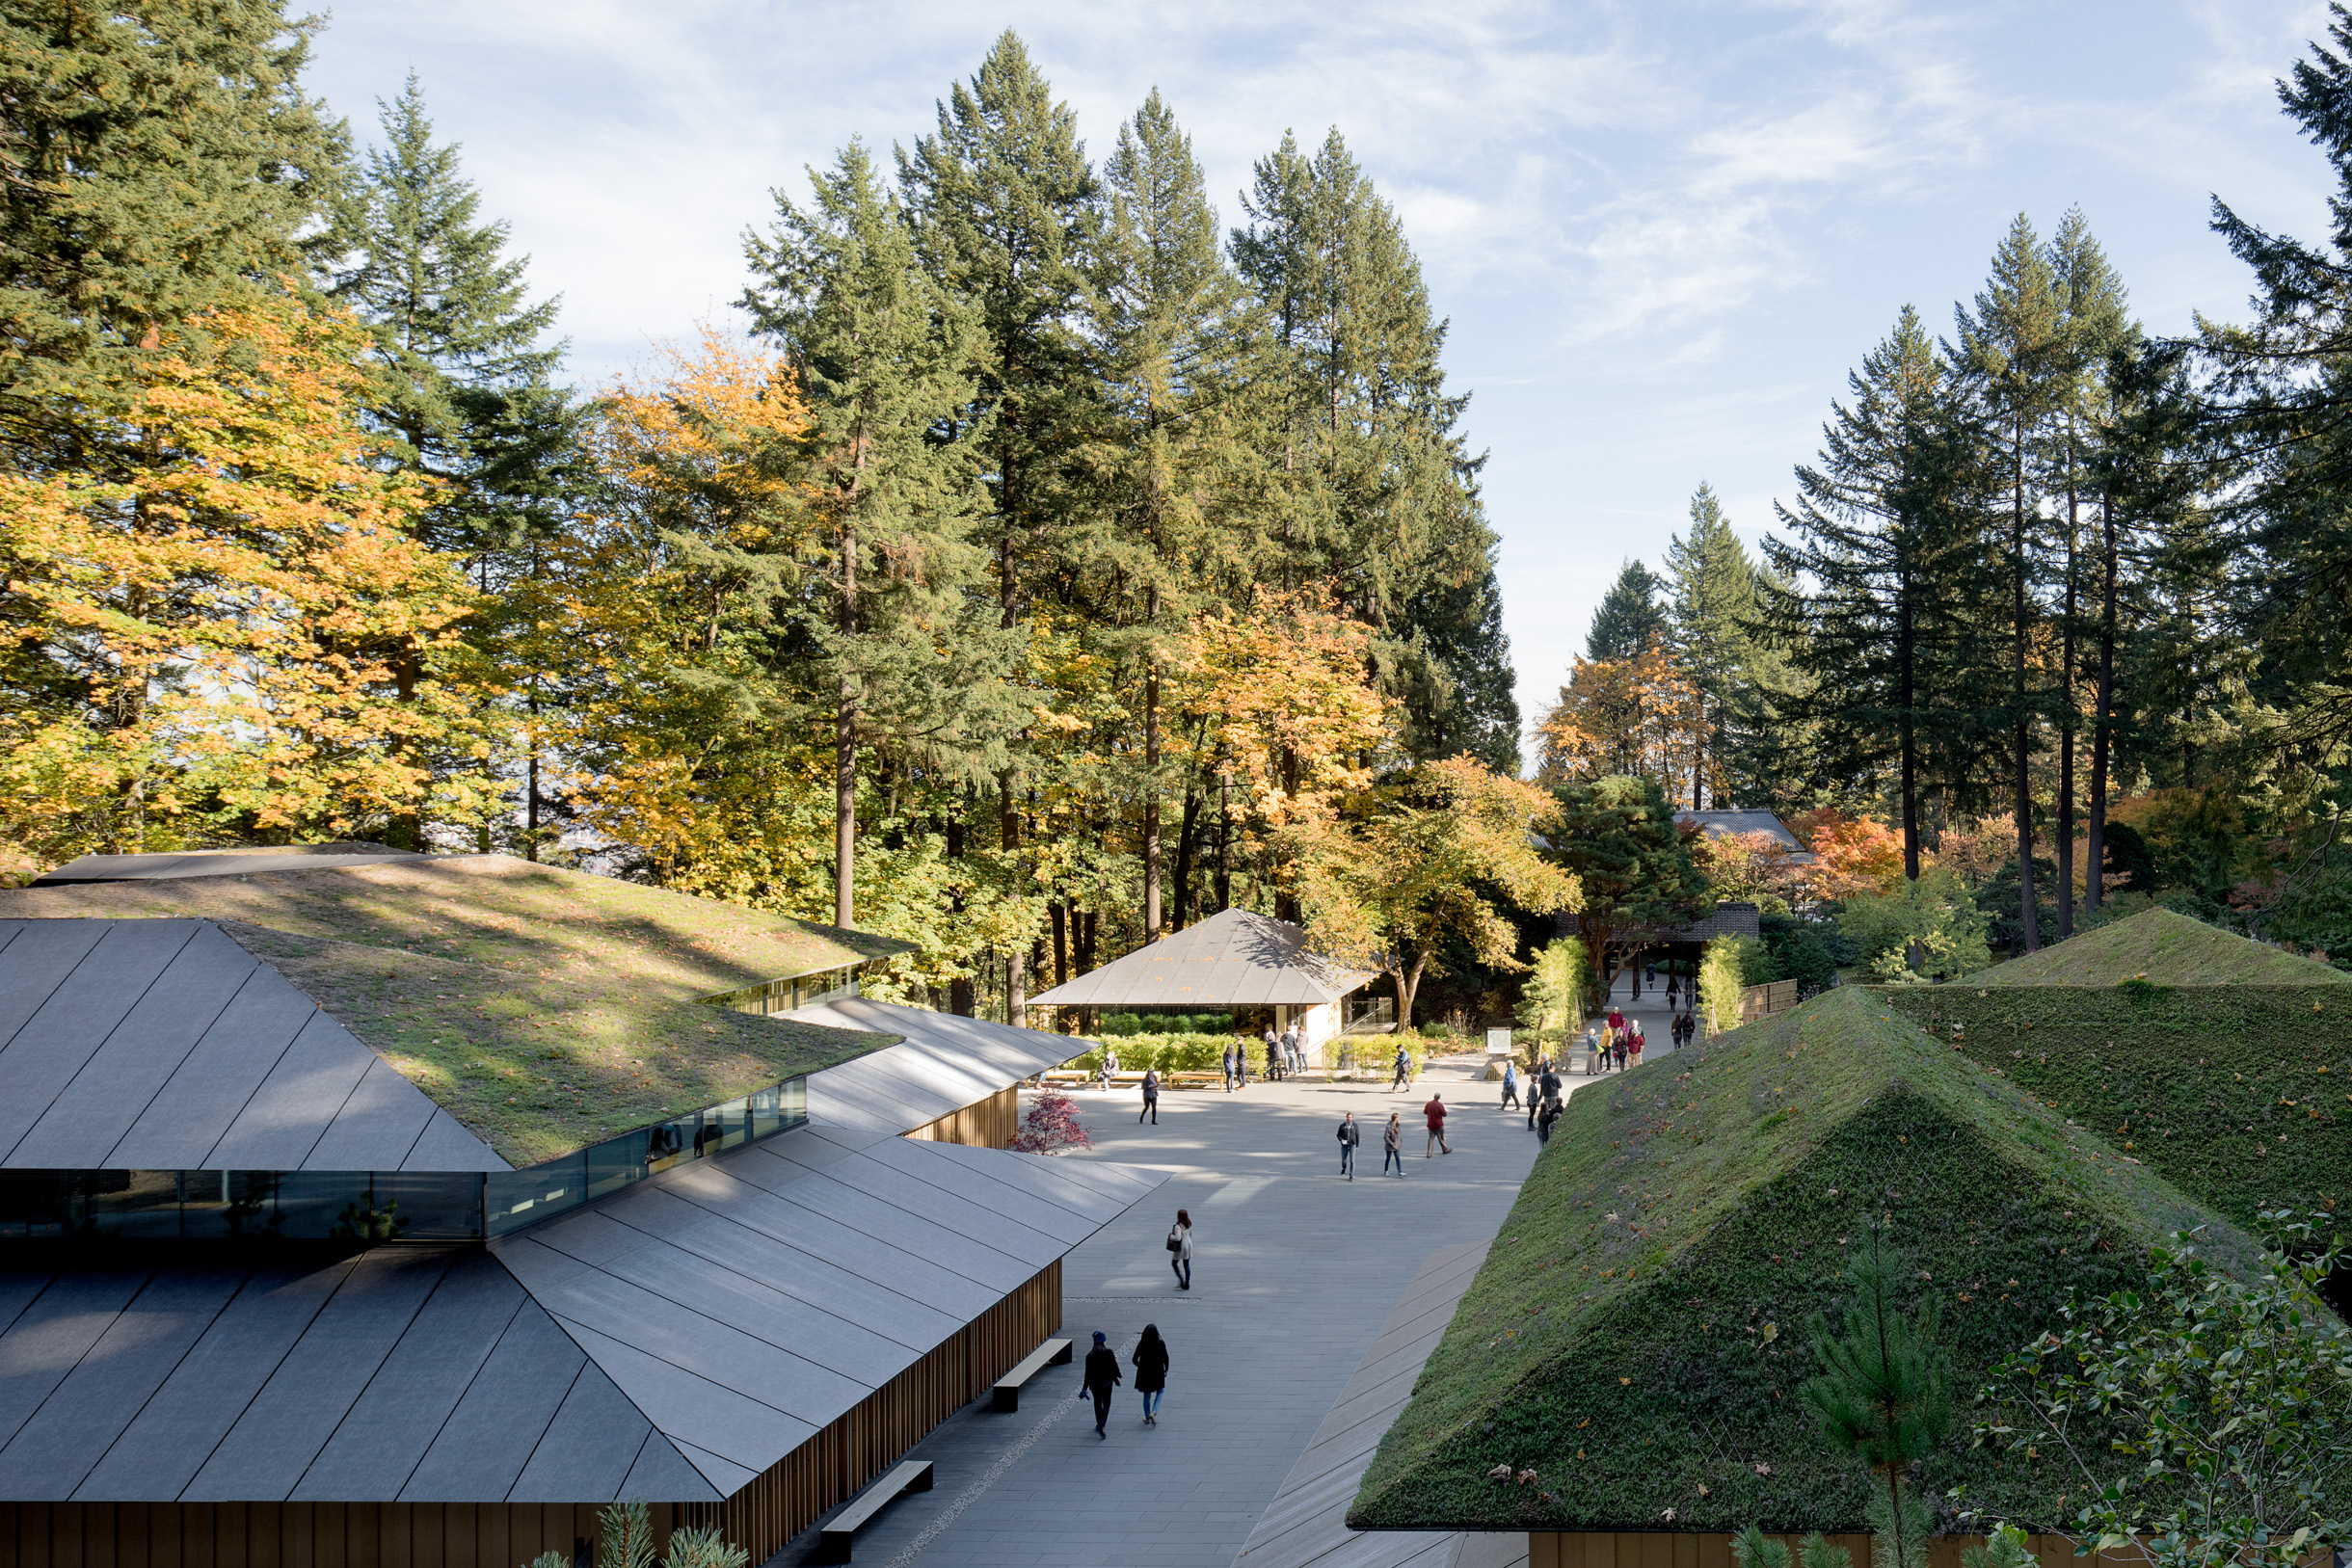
210,636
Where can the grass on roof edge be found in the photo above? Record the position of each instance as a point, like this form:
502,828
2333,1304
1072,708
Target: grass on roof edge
2164,948
1638,1331
538,1067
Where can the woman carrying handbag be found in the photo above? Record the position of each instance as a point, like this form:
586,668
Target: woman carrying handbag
1180,1245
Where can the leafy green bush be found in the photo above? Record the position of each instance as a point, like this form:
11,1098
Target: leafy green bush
1928,929
1552,997
1809,952
1436,1031
1722,974
1120,1025
1164,1053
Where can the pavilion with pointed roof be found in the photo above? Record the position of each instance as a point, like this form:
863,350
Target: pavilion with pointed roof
1260,969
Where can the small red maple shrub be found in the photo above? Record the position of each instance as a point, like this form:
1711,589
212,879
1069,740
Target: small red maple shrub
1050,1125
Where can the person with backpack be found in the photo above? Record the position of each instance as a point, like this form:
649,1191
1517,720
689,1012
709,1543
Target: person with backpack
1391,1140
1180,1248
1349,1135
1405,1070
1151,1098
1151,1359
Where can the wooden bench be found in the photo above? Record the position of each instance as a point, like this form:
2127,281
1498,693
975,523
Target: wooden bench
834,1540
1007,1395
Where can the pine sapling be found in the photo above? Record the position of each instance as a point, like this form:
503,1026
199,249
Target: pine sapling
1883,1396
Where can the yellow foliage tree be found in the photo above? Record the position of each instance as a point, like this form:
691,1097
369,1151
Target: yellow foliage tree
1406,869
221,638
1641,716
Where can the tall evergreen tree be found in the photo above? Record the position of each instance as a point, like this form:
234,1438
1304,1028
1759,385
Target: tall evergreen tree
2093,328
1629,618
1883,539
1714,589
2012,345
1178,334
1375,489
158,162
1008,213
881,352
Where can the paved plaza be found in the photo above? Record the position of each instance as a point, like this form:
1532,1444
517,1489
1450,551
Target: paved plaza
1294,1271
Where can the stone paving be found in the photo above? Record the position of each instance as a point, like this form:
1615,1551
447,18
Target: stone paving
1294,1271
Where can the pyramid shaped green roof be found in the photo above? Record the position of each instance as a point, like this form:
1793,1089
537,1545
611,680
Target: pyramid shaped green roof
2164,948
1638,1333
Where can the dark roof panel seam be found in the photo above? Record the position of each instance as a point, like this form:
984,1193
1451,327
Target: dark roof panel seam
161,1383
554,1409
261,1383
425,1447
194,1039
95,1339
247,1103
785,1197
886,1200
951,1193
884,1286
326,1124
28,1303
973,1173
569,1324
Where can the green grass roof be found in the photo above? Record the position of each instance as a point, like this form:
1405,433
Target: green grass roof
546,1008
2165,948
1638,1333
2239,1096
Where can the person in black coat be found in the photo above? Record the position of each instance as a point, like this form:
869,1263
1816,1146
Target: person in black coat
1102,1378
1151,1099
1151,1359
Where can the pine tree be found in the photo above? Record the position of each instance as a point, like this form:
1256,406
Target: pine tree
1178,338
1008,212
1629,618
2093,328
2013,346
1714,588
159,163
1883,536
881,355
461,381
1375,489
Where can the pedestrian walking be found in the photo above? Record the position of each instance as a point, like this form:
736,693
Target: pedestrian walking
1435,1112
1151,1359
1151,1096
1391,1140
1102,1379
1228,1064
1405,1070
1274,1059
1544,1120
1511,1083
1634,1042
1618,1052
1180,1249
1289,1049
1349,1135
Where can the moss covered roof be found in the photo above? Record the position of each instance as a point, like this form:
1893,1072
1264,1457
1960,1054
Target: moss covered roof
544,1008
2240,1096
1638,1333
2164,949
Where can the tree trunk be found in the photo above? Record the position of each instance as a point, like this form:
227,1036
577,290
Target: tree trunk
845,749
1224,842
2029,933
1907,734
1016,964
1187,836
2103,708
2066,707
1151,792
960,999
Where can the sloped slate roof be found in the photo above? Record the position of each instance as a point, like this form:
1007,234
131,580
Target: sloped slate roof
1232,959
944,1063
163,1045
1721,824
669,1343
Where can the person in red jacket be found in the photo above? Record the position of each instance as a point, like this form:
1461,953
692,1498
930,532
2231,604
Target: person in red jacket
1435,1112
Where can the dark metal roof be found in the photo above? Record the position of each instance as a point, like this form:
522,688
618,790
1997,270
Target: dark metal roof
1307,1524
945,1062
218,862
669,1343
1232,959
163,1045
1725,921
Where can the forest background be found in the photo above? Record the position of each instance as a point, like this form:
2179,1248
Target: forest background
1044,568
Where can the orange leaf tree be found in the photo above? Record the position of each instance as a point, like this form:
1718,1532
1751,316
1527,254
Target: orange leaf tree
203,639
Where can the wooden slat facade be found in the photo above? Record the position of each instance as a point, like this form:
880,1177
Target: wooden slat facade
762,1518
1666,1549
984,1124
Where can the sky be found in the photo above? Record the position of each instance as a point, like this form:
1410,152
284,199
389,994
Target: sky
1662,232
